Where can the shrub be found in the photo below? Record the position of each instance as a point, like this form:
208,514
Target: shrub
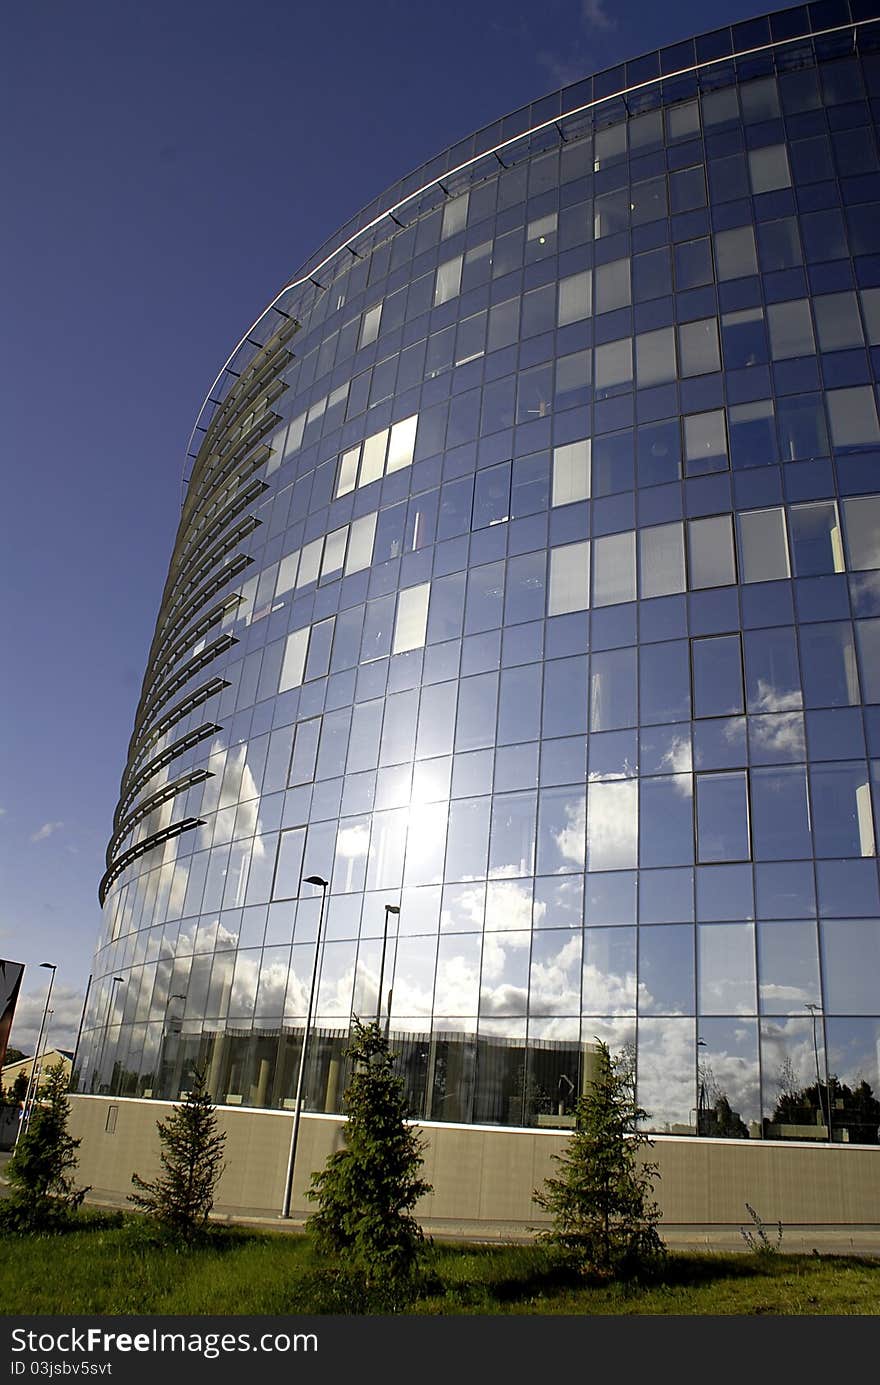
604,1216
366,1191
181,1198
43,1195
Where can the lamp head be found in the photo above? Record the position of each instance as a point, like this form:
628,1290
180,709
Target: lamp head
51,965
316,880
392,908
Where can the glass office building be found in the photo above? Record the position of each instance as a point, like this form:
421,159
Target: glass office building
528,582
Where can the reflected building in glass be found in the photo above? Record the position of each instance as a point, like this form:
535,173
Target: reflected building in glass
528,581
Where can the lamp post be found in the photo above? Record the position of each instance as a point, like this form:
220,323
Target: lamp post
175,1064
813,1009
113,984
82,1020
25,1116
41,1063
297,1113
701,1088
389,909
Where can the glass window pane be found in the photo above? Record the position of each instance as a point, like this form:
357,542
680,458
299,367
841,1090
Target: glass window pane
454,219
791,329
851,965
661,559
370,325
705,442
373,459
571,472
613,364
769,168
294,659
564,711
402,443
309,564
485,598
780,812
360,544
788,966
612,286
609,971
802,429
726,968
448,280
828,658
512,843
868,637
752,434
612,825
710,552
655,357
569,578
574,298
735,253
666,969
613,690
614,576
348,465
664,684
334,551
837,321
816,544
853,415
412,618
717,669
693,264
562,816
862,517
698,347
763,550
843,819
722,817
666,813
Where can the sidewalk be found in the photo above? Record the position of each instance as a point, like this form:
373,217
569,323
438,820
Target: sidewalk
796,1240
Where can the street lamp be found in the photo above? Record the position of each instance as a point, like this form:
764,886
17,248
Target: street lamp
389,909
113,984
701,1088
172,1056
294,1134
25,1115
82,1020
813,1009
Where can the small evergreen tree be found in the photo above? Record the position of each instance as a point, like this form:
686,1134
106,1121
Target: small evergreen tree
366,1191
43,1195
181,1198
604,1216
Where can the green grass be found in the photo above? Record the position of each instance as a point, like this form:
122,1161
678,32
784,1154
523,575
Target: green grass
113,1265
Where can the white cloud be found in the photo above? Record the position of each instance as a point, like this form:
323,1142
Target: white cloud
45,831
678,760
66,1005
783,734
595,16
571,840
769,698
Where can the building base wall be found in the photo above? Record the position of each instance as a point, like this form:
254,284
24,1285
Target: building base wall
484,1177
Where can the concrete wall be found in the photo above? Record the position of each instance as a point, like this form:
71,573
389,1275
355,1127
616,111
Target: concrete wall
486,1176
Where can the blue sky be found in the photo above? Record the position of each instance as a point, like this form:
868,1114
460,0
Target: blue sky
167,167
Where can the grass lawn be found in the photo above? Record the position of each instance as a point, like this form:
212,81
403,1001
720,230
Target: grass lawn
110,1266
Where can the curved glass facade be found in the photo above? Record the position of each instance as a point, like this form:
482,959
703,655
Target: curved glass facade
528,581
